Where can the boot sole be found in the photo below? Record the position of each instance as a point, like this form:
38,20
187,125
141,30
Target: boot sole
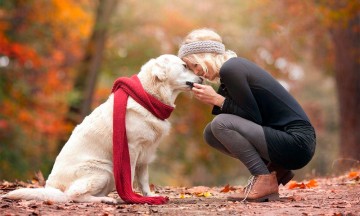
268,198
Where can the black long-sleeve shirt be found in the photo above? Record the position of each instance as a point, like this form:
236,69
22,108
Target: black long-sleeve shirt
253,94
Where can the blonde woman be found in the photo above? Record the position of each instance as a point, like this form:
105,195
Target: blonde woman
257,121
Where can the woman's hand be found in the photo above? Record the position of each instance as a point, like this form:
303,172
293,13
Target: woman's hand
207,95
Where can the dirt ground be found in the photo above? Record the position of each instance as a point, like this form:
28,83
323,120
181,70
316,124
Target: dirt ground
324,196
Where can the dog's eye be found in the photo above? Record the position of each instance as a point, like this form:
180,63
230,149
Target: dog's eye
185,66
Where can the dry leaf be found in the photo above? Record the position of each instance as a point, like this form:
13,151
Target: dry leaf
207,194
204,194
312,183
227,188
48,202
38,179
353,175
152,187
294,184
183,196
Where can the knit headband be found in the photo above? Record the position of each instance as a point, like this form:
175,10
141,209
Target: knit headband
201,47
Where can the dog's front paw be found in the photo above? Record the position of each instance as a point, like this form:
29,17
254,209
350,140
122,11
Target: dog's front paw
109,200
150,194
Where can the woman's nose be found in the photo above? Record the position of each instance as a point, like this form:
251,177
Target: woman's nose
199,72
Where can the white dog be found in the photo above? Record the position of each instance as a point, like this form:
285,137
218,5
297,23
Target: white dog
83,170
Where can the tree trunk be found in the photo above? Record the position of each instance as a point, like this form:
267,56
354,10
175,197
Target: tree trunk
85,82
347,72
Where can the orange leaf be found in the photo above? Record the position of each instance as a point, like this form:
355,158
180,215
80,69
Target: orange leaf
227,188
353,174
293,184
312,183
302,186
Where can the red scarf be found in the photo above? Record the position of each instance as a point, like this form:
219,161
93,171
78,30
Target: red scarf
123,87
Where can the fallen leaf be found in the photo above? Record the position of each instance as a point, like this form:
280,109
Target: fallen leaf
227,188
38,179
294,184
183,196
207,194
204,194
48,202
312,183
353,174
152,187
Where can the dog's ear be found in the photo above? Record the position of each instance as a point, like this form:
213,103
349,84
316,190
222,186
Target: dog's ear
159,71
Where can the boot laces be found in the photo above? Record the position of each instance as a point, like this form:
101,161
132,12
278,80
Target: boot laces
248,187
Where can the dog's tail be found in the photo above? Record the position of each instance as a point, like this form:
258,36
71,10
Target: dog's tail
45,194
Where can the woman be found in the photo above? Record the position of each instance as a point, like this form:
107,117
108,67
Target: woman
257,121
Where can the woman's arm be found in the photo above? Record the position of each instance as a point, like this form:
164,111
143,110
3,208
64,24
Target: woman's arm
240,101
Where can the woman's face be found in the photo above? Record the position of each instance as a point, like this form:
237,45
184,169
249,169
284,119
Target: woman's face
198,70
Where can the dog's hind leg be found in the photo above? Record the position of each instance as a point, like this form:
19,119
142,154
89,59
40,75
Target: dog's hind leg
92,188
95,199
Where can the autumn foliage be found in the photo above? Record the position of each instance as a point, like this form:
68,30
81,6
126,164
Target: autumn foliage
43,45
37,79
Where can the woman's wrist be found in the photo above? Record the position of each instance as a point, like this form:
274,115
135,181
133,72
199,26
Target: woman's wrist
222,105
220,101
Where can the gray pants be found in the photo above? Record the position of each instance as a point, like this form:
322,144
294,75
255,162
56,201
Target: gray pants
241,139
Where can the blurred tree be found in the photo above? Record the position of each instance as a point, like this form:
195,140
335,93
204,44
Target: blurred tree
85,81
326,33
342,18
38,50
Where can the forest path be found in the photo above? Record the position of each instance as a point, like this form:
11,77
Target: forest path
323,196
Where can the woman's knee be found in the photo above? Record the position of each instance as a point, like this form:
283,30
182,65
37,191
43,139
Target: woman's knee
208,135
219,123
212,141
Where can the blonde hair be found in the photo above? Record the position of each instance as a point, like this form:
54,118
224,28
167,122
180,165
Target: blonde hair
215,60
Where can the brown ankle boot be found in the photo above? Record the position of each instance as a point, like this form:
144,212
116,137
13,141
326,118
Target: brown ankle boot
283,176
260,188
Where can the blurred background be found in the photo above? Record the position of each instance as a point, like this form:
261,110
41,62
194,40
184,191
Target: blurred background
59,59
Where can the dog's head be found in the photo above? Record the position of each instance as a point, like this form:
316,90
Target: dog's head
167,71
